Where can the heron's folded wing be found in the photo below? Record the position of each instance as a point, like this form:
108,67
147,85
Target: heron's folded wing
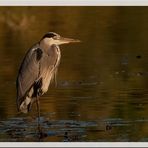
28,72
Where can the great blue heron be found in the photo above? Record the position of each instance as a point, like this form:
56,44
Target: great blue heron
38,69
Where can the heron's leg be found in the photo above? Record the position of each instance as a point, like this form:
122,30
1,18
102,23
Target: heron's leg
38,111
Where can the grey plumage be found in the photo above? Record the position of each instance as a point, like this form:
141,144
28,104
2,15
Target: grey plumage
32,71
38,69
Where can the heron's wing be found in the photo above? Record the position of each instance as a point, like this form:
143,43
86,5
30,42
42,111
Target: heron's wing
28,71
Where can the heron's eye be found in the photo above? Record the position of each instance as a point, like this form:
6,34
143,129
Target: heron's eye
56,37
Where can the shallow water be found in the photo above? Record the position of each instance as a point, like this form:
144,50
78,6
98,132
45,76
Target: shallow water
101,94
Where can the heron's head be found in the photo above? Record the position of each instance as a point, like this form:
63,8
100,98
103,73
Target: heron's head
54,38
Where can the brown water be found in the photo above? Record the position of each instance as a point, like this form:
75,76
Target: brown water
102,90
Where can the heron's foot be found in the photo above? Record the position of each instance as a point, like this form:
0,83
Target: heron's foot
39,129
41,134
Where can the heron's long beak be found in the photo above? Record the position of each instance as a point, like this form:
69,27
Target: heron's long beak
68,40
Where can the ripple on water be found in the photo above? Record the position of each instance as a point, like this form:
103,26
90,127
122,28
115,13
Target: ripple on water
21,129
24,129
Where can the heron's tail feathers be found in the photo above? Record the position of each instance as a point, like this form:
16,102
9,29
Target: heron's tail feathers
25,105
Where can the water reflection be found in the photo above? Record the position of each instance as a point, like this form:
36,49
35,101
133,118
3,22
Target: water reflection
102,81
